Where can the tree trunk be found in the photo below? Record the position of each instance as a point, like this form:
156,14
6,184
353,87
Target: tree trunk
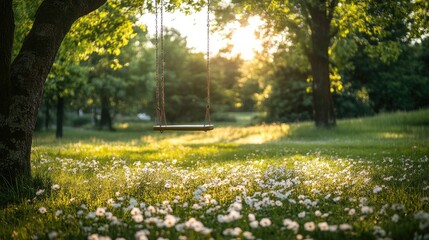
105,119
94,118
323,105
60,117
22,82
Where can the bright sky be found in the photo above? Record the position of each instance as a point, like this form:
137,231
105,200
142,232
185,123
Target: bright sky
194,28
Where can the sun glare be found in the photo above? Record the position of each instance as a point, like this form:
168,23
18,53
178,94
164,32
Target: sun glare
194,28
245,41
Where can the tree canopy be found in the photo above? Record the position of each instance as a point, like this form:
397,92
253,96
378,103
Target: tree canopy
327,34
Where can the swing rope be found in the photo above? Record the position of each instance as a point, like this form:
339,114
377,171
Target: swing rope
160,108
161,122
207,118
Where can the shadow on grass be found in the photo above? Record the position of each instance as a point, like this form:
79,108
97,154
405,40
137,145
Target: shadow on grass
23,190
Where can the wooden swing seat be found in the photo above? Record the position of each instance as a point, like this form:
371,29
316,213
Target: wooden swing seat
204,127
160,93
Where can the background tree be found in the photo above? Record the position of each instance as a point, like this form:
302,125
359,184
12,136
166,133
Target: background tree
62,86
382,72
315,26
185,80
226,72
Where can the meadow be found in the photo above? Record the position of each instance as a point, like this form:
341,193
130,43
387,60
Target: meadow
368,178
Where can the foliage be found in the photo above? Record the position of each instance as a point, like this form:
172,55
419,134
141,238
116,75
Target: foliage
104,32
365,179
225,74
400,85
24,16
127,81
285,81
378,30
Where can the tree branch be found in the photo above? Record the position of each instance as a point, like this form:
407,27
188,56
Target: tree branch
6,44
53,21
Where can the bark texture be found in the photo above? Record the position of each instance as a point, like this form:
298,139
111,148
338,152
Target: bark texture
23,80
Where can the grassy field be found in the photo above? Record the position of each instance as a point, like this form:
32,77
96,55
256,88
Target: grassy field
366,179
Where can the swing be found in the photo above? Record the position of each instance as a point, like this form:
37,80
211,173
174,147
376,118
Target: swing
161,122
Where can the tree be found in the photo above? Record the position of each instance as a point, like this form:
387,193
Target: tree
63,84
315,25
382,72
22,77
310,24
225,73
22,80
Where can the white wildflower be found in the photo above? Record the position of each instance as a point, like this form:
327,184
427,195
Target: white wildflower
323,226
196,206
318,213
395,218
206,231
40,192
345,227
141,235
315,191
378,231
333,228
170,221
254,224
377,189
100,211
138,218
235,232
42,210
91,215
367,210
108,215
151,209
309,226
93,237
291,225
53,235
265,222
248,235
135,211
424,219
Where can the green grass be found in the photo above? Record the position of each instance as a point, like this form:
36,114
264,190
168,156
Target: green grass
365,179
